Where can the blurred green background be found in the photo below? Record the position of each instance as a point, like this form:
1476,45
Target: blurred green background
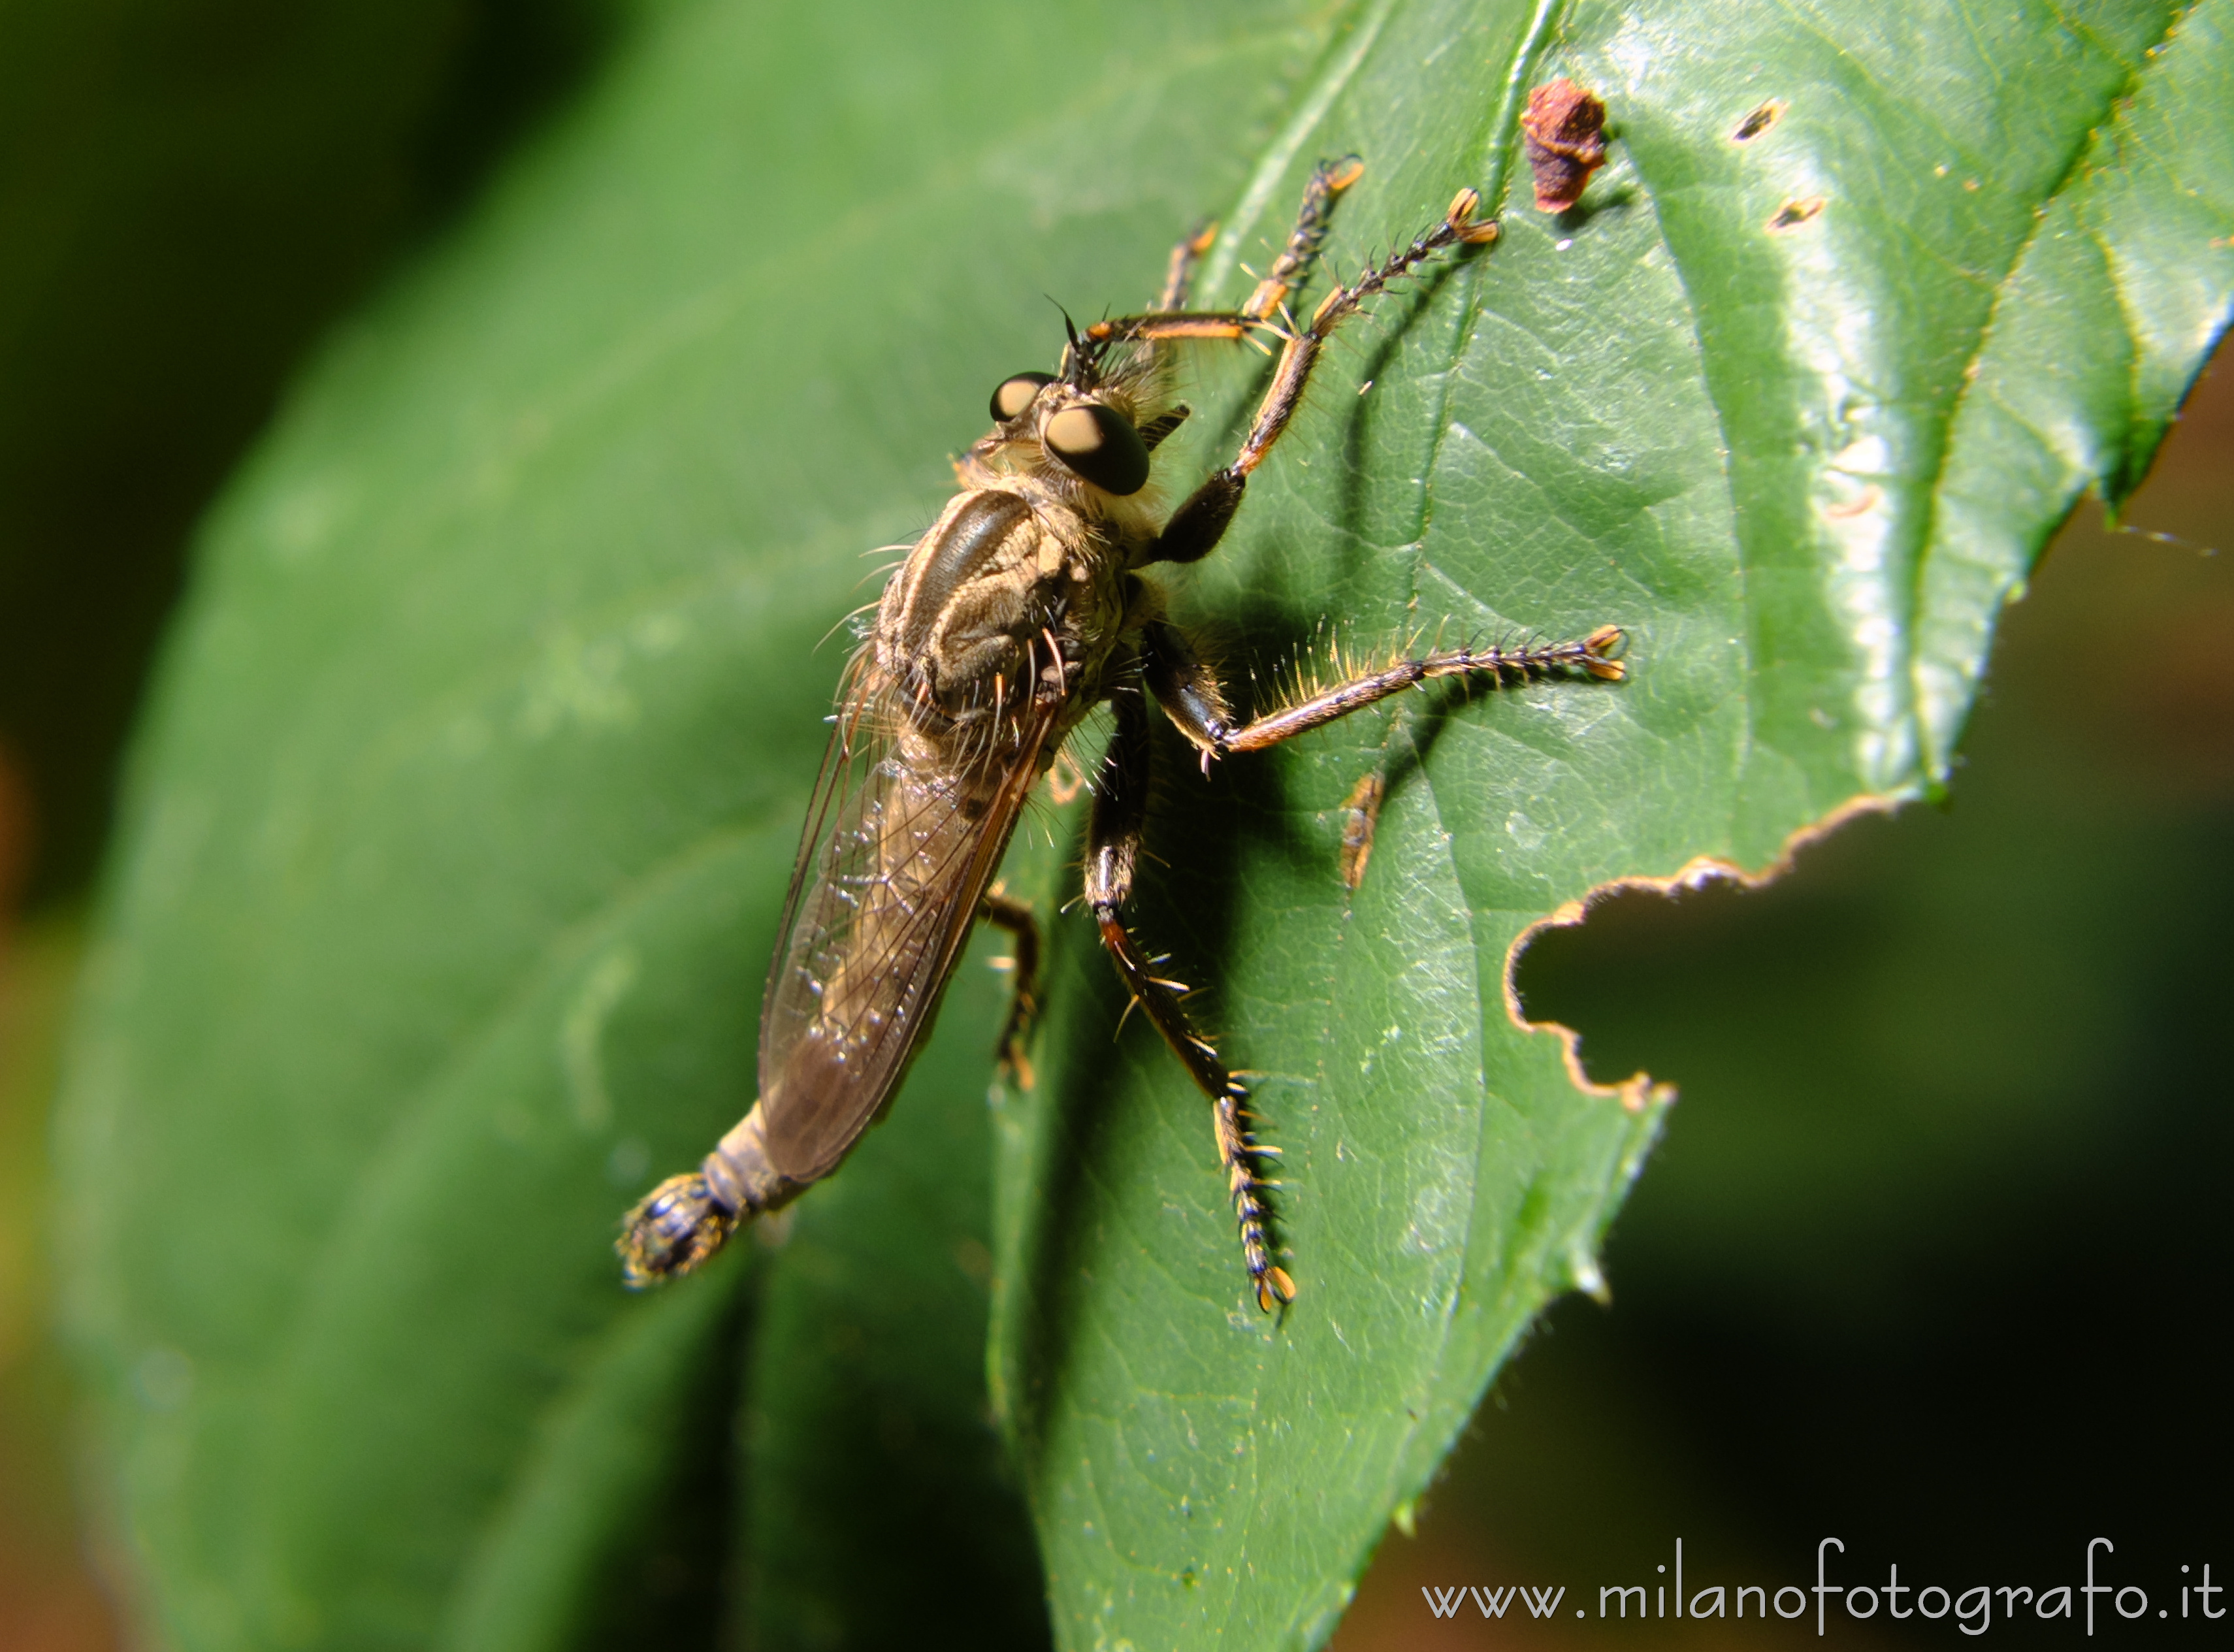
192,191
1851,1297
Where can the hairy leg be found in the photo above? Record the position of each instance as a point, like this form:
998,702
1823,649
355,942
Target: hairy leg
1199,523
1189,692
1112,855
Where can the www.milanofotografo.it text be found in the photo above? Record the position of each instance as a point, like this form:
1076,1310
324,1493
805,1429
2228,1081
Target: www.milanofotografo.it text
2100,1596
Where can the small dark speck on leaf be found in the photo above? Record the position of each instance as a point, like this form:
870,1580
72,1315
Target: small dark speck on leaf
1760,120
1796,212
1564,129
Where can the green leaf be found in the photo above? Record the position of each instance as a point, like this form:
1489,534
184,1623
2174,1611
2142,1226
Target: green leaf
462,818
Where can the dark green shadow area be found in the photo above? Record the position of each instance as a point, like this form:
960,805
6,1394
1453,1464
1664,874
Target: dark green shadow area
880,1510
194,190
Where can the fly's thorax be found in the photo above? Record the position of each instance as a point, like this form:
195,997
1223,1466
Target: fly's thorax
1003,599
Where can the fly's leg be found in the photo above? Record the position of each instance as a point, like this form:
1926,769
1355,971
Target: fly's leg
1459,227
1112,855
1189,693
1171,320
1293,267
1178,274
1198,525
1200,521
1005,912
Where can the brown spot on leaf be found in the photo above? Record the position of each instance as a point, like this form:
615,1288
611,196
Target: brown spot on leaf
1796,212
1760,120
1564,129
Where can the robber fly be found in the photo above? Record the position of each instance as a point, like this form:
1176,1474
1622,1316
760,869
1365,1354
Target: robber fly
1022,611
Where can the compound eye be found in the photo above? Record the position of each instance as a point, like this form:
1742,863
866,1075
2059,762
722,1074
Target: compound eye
1014,394
1099,445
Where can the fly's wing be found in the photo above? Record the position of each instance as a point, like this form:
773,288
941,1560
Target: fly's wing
892,865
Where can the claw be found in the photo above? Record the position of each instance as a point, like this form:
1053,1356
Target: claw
1275,1288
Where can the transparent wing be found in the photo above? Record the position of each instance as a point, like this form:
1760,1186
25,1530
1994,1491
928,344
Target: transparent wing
897,853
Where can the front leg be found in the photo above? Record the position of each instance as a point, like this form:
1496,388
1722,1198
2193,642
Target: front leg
1178,274
1201,522
1112,853
1169,320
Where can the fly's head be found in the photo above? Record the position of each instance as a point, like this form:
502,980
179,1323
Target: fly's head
1084,438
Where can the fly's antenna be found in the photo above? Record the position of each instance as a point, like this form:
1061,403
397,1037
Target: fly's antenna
1082,357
